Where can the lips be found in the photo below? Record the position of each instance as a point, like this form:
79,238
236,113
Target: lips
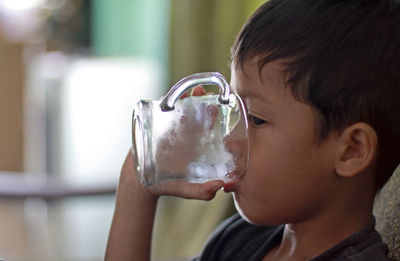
231,184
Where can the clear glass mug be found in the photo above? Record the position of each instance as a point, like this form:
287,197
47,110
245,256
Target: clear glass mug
195,139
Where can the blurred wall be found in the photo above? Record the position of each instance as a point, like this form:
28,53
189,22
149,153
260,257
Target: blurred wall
136,29
11,106
202,33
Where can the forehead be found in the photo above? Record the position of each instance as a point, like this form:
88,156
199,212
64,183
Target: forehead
269,84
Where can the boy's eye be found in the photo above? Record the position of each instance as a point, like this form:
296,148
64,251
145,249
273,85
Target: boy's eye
256,121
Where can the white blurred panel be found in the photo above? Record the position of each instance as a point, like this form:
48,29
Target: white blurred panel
78,122
96,103
98,97
78,113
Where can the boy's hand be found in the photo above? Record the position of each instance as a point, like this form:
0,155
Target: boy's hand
205,191
132,225
130,234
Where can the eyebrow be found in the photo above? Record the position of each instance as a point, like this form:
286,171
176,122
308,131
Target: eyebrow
251,95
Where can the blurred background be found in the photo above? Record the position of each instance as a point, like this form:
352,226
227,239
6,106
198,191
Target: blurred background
71,72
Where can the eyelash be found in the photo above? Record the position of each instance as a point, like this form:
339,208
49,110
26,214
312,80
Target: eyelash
255,121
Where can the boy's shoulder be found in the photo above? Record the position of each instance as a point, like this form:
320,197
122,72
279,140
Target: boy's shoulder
236,239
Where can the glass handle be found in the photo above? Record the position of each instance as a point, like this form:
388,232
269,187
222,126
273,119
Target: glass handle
208,78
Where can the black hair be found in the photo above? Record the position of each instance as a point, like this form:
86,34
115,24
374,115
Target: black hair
344,62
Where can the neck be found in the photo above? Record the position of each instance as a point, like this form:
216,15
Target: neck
306,239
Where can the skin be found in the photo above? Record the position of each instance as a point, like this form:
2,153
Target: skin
322,192
132,225
314,189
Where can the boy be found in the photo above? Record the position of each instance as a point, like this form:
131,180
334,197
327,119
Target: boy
321,84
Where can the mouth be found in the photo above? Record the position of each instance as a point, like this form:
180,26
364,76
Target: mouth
232,184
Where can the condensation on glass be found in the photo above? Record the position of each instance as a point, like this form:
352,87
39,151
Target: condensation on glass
195,139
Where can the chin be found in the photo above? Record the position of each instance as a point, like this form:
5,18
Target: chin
241,212
255,215
245,212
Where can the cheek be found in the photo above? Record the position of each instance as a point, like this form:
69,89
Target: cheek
273,153
281,171
283,163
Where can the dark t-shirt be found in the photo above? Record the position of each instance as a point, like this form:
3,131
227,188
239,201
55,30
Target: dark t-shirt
236,239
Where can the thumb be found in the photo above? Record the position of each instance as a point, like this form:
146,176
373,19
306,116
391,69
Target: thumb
204,191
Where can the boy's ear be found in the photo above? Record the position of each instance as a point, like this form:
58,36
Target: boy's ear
357,149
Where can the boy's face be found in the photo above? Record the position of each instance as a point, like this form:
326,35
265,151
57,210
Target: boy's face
290,177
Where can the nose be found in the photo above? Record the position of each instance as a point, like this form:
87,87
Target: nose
238,150
235,147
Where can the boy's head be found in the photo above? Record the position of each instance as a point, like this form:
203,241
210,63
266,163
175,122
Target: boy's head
341,58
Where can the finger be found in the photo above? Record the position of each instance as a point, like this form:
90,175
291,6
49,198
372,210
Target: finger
205,191
211,114
185,95
128,167
198,91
